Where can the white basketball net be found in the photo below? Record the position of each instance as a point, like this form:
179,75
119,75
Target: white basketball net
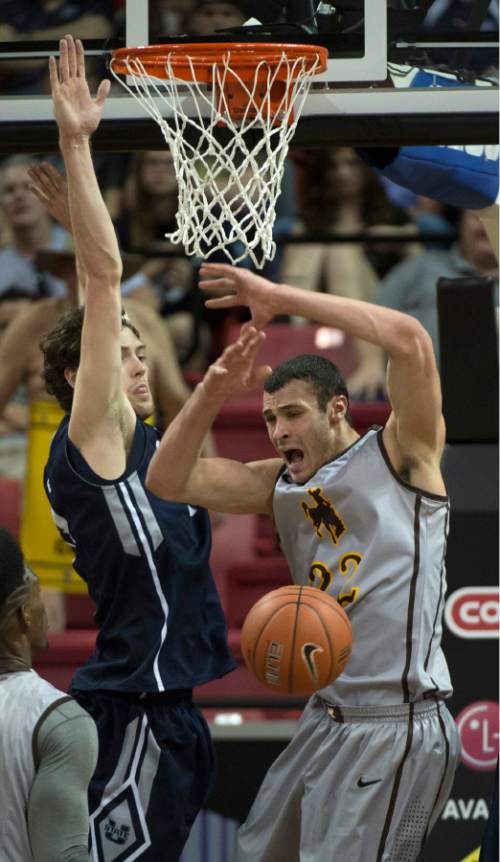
227,191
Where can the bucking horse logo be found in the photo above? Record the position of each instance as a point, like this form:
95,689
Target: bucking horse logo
324,516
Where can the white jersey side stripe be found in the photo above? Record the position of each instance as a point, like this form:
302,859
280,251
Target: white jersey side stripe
146,510
145,544
120,520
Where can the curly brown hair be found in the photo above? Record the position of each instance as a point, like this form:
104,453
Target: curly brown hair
61,350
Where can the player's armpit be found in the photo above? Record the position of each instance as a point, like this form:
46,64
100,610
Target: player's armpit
224,485
417,465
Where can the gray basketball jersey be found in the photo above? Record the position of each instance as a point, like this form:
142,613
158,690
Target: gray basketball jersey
24,699
359,532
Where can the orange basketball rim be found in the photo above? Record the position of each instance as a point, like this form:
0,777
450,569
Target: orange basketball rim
268,71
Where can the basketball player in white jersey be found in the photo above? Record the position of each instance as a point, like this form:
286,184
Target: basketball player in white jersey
364,518
48,743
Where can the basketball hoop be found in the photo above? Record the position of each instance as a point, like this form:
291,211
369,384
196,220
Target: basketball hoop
228,184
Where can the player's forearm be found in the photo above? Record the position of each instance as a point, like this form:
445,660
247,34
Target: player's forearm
391,330
175,459
95,240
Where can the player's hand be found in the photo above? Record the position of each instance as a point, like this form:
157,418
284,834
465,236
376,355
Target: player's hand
77,113
50,187
234,373
236,286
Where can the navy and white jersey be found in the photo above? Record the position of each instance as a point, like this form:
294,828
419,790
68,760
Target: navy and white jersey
377,544
146,565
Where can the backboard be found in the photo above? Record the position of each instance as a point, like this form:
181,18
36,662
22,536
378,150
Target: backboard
374,92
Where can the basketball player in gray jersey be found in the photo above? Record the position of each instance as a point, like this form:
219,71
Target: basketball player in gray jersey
366,519
48,743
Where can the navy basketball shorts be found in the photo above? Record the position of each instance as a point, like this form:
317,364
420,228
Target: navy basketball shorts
154,771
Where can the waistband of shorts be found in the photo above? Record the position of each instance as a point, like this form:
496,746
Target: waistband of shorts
398,712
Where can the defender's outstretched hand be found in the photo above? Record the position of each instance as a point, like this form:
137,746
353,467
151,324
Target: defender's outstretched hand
50,187
77,113
233,373
237,286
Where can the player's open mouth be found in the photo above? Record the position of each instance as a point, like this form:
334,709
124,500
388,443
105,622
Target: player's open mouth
293,456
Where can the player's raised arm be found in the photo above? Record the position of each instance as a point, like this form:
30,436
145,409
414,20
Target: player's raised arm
177,472
78,115
100,409
415,428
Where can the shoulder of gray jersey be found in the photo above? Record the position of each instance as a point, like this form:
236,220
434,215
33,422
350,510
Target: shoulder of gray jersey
65,725
65,749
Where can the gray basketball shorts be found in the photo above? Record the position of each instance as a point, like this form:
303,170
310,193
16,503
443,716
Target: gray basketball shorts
363,784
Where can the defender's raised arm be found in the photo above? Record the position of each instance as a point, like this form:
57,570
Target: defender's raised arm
78,115
102,419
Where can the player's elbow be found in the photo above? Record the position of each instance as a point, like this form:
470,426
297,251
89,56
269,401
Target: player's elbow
163,485
413,339
154,481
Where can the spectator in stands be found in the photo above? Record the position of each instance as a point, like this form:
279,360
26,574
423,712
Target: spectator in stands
48,743
46,19
342,195
168,17
213,15
152,202
14,421
12,301
431,217
31,230
434,218
411,288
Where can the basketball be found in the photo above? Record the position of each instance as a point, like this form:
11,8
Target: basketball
296,640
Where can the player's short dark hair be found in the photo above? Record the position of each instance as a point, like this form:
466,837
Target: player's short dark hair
323,376
12,569
61,350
